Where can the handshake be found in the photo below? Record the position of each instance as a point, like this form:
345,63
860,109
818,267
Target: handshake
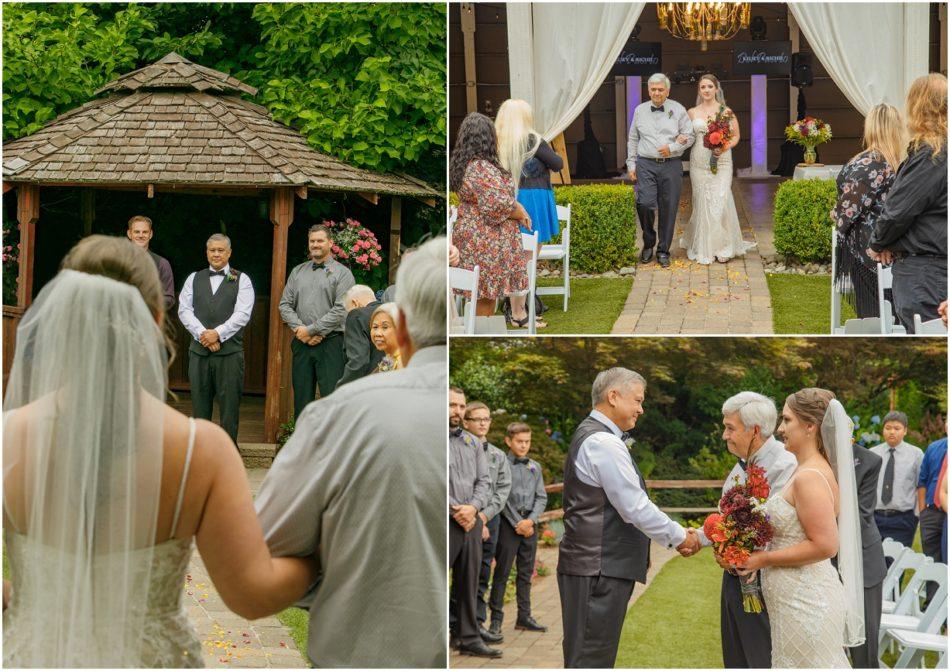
691,545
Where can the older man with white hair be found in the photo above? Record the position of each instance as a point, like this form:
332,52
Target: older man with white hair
748,421
361,483
659,134
361,356
609,522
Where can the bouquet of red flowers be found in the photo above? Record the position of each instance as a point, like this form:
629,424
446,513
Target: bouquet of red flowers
718,135
741,527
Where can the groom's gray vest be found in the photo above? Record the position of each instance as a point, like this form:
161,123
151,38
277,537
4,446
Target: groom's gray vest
596,539
213,309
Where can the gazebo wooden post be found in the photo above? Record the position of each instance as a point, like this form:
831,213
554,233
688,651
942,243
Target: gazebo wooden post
27,214
282,216
395,236
87,210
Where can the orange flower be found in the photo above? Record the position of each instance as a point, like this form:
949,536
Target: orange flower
712,527
736,555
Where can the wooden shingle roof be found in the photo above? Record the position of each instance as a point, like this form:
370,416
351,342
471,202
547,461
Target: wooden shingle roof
175,122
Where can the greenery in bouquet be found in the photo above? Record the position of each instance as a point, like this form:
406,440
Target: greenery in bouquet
718,135
808,132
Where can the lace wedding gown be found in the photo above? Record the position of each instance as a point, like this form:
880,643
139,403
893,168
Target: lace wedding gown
806,603
713,228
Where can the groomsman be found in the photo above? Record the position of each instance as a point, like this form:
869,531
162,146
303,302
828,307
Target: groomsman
478,422
469,490
312,306
361,356
896,510
140,232
659,134
215,305
748,421
606,547
518,534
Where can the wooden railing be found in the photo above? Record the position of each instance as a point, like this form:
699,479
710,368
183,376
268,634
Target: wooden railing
558,487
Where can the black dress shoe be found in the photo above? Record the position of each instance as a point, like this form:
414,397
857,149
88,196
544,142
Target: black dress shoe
529,624
490,637
454,642
663,260
495,628
479,649
646,255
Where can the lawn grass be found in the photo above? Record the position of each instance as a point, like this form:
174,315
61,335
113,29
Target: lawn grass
297,622
675,623
801,304
593,307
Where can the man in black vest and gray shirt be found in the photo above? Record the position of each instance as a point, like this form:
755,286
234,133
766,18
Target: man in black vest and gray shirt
608,523
215,305
748,420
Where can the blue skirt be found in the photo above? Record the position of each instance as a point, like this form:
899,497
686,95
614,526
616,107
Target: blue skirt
540,206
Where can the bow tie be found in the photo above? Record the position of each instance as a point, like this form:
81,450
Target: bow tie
627,438
743,463
455,432
314,265
656,109
219,273
521,461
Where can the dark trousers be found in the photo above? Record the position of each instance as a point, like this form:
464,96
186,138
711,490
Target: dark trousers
931,530
465,558
220,377
865,656
511,546
920,285
318,365
901,526
746,637
488,554
592,613
658,188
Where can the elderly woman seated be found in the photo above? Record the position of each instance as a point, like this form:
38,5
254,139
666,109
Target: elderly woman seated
382,332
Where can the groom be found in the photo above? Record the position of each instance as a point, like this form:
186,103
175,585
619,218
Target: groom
608,523
659,134
748,421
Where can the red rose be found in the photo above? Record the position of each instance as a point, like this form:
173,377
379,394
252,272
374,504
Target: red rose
715,137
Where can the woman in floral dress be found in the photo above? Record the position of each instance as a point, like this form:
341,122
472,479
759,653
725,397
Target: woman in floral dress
486,232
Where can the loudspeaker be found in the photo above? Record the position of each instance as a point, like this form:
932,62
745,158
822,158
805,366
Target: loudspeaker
801,70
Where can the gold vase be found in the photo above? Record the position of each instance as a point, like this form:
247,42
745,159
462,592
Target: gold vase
810,155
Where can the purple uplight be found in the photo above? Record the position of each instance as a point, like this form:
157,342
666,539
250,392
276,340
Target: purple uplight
634,97
759,140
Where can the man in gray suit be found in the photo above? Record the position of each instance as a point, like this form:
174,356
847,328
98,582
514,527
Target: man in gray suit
361,484
748,419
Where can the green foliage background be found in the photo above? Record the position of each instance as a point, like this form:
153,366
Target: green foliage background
802,221
547,381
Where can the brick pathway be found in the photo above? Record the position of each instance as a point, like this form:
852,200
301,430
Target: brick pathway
227,639
688,297
526,650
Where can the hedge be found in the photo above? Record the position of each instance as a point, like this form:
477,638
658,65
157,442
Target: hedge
803,225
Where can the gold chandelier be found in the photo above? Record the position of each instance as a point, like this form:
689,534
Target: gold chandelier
703,21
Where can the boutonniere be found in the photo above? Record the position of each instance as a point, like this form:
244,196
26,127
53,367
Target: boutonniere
232,276
669,114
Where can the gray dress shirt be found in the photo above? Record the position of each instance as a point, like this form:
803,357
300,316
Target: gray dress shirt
362,483
907,460
650,131
314,298
779,465
499,471
527,492
469,481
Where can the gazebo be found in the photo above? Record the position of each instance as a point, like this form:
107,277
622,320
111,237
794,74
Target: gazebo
176,126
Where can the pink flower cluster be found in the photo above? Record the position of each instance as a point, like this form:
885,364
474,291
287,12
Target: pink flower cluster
354,242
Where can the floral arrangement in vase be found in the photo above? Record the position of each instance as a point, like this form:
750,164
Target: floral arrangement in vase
809,133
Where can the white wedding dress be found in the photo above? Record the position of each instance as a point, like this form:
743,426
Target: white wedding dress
713,228
806,604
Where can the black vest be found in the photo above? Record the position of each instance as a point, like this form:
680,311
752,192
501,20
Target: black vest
596,539
215,309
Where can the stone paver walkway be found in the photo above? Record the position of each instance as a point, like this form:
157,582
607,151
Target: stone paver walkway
692,298
532,650
227,639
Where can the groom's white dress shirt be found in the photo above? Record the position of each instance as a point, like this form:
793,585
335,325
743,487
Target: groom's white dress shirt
779,465
604,461
239,318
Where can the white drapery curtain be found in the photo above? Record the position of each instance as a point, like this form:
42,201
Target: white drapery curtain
873,51
560,54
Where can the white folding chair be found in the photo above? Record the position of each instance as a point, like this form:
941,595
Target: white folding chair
885,280
560,252
919,632
915,645
932,327
453,217
835,296
904,559
529,243
465,280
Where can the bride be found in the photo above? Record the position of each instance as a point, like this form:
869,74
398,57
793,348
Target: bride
713,230
105,486
815,611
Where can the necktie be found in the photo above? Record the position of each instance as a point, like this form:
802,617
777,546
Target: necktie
219,273
743,463
521,461
887,487
656,109
314,265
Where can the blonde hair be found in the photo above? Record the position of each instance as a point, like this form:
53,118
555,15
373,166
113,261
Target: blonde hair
927,112
884,133
810,405
720,96
514,126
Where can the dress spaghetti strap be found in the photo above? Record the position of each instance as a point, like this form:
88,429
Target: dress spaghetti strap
827,484
184,475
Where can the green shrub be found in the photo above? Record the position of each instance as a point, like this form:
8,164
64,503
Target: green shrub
603,226
803,225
